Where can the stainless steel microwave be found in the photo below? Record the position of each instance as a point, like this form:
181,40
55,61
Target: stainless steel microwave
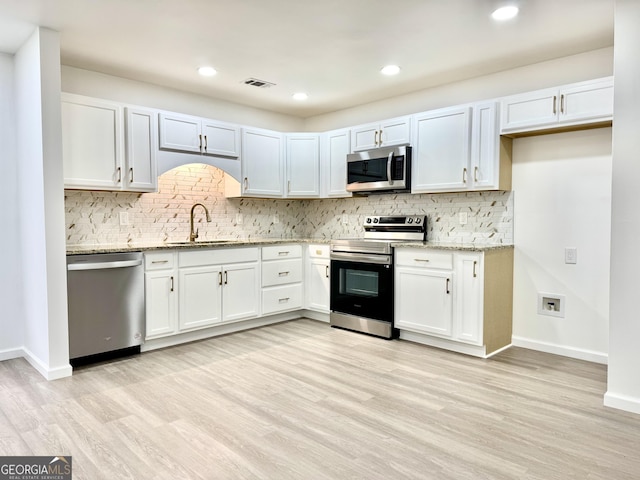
381,170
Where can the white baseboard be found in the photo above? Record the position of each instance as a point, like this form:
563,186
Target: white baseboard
565,351
11,354
314,315
467,349
44,370
622,402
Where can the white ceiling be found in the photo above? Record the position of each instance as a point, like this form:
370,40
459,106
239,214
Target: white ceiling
331,49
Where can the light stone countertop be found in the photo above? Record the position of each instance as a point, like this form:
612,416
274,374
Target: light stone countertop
146,247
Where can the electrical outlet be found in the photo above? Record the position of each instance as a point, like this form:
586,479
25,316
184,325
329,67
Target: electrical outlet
276,219
239,219
571,255
345,219
124,218
463,218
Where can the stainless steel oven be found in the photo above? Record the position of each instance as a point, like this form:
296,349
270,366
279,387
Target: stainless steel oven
362,295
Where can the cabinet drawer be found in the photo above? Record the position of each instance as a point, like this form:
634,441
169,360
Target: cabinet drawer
319,251
217,256
281,272
279,252
280,299
159,261
424,258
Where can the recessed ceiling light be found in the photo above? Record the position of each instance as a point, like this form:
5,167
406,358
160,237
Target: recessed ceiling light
300,96
390,70
207,71
505,13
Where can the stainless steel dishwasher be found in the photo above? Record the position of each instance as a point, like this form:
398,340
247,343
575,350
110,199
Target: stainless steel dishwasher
105,294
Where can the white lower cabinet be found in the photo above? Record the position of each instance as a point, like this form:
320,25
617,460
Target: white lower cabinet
457,300
200,297
282,288
161,294
317,278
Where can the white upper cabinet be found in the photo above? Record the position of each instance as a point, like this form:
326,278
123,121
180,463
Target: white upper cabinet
396,131
105,150
441,150
92,143
336,145
570,105
186,133
303,165
262,163
141,139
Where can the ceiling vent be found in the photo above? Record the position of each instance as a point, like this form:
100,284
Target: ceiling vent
254,82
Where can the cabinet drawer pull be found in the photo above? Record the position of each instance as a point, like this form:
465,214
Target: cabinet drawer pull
219,278
159,261
131,175
283,274
554,104
283,300
283,253
475,274
326,271
171,284
464,175
226,277
421,260
119,170
448,291
562,103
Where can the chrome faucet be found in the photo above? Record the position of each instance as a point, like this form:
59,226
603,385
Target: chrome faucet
193,235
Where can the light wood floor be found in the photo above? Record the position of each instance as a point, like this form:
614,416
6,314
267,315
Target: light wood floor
300,400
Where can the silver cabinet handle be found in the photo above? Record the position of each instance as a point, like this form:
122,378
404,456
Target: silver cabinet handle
131,175
380,138
219,278
555,99
562,103
464,175
475,274
206,144
119,170
246,183
160,261
421,260
200,146
326,271
448,291
283,253
283,300
375,138
171,290
475,174
288,186
283,274
226,277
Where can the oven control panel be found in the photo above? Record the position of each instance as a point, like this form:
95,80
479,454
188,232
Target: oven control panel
397,221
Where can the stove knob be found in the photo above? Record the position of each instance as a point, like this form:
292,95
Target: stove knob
410,220
368,220
375,220
418,220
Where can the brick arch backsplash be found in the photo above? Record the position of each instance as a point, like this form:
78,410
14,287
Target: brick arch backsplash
92,217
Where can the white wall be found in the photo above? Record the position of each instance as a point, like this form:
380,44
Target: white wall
562,198
108,87
624,346
11,338
576,68
41,203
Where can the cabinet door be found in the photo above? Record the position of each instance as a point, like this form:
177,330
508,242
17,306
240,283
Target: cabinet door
520,112
141,140
469,289
441,150
160,298
303,166
180,132
200,297
241,292
337,146
592,100
262,163
317,285
365,137
92,143
423,301
220,139
485,151
396,131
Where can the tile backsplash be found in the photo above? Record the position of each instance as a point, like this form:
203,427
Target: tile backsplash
93,218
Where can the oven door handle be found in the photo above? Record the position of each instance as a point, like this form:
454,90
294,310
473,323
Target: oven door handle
361,258
389,162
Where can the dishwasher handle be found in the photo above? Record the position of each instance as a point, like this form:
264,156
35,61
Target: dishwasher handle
103,265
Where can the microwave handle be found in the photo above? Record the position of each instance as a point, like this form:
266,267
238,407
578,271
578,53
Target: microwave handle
389,162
